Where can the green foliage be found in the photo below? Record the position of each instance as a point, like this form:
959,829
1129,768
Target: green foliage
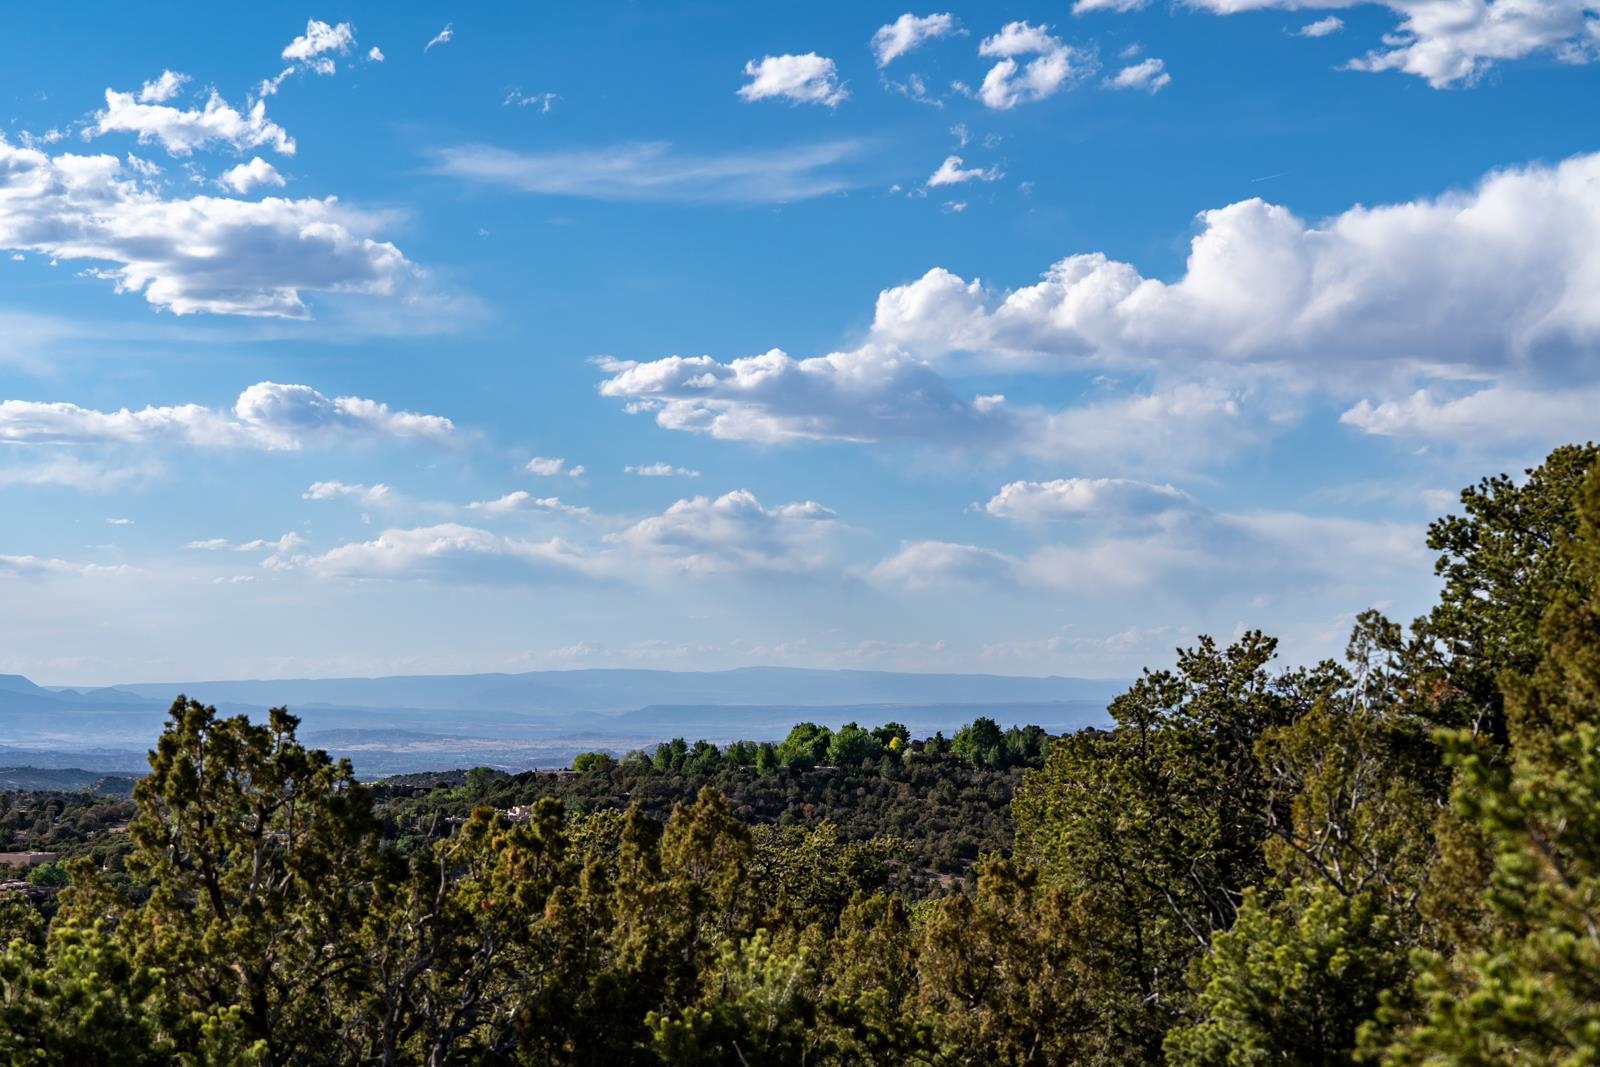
1531,989
669,755
870,987
261,855
946,811
1292,981
82,1002
767,758
807,875
980,742
853,746
1156,828
890,732
20,920
480,781
806,746
760,1008
51,874
584,762
1502,567
65,823
1004,972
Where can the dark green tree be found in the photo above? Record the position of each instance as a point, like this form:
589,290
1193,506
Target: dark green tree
261,855
1002,972
1530,991
1293,981
1156,828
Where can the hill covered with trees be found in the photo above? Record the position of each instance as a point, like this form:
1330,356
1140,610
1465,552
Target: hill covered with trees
1391,859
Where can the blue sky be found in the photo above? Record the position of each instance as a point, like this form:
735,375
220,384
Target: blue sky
1024,338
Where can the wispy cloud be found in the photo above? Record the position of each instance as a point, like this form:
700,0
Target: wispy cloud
35,566
1149,75
267,415
370,496
541,102
522,500
444,36
1322,27
657,171
552,466
660,470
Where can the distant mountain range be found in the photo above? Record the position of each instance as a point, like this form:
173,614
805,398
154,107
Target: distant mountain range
541,718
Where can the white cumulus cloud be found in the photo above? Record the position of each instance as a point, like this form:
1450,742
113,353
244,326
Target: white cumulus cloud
908,33
925,564
160,90
800,79
282,553
1490,278
182,130
951,172
313,51
1455,42
450,551
878,393
1078,499
246,176
27,566
195,254
1490,287
319,39
1054,65
864,395
732,533
1496,414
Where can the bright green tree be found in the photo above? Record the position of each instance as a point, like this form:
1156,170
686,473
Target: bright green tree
852,746
806,746
980,742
